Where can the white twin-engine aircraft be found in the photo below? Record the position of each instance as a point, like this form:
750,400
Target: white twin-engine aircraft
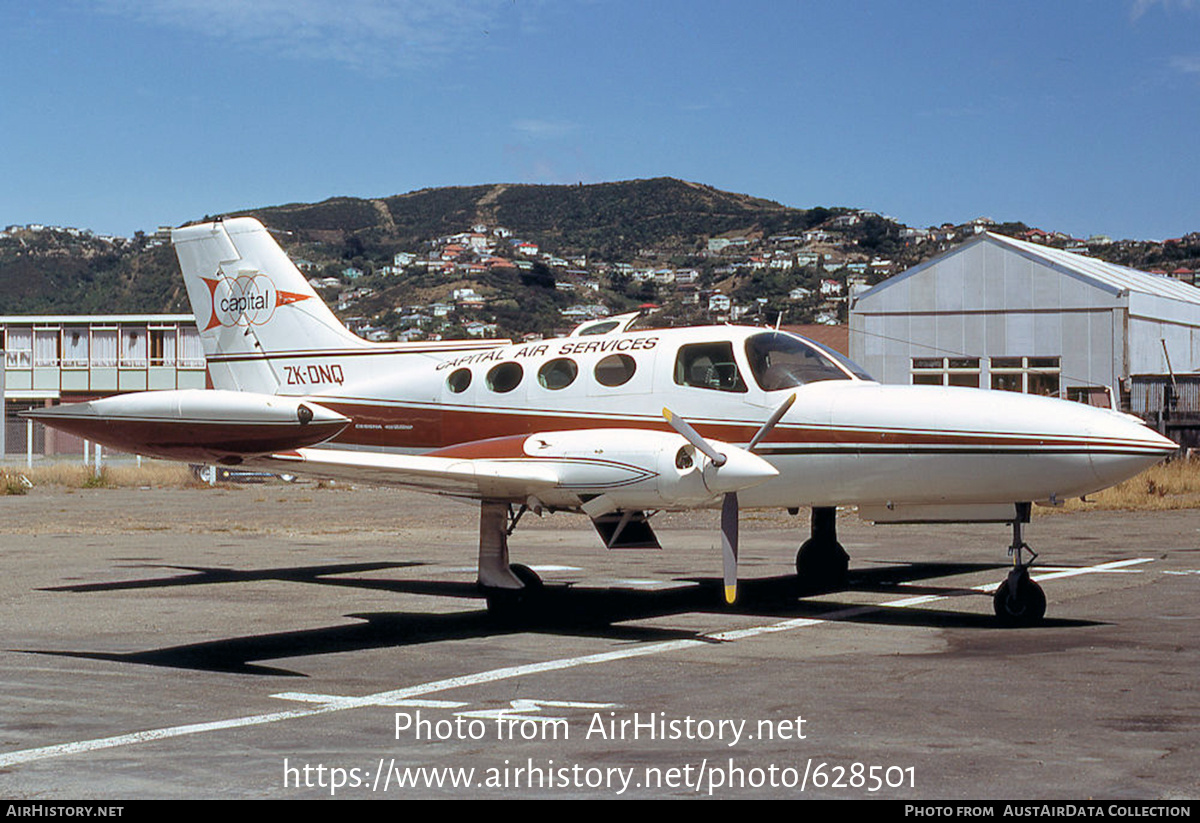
614,423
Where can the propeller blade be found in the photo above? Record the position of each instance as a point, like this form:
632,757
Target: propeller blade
692,436
729,544
775,417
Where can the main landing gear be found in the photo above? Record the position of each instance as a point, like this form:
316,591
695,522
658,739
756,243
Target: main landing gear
512,590
1019,601
822,565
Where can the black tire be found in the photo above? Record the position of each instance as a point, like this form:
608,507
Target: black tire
1026,608
511,605
822,567
526,575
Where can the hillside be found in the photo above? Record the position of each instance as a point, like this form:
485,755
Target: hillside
610,220
517,259
53,272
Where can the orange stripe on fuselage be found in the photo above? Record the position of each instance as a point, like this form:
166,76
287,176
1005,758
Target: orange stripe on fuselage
446,428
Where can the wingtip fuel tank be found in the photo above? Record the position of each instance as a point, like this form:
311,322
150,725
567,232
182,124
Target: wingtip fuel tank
214,425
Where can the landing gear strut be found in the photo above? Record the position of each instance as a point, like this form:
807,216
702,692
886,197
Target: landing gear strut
822,565
511,589
1019,601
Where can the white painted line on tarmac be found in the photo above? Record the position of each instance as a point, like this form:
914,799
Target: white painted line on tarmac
1116,566
409,695
474,569
1047,573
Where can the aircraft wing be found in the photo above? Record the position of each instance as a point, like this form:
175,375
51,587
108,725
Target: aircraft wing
598,470
477,478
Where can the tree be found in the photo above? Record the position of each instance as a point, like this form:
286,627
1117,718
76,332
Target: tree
540,276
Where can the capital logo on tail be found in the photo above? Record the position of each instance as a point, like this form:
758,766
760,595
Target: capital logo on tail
248,300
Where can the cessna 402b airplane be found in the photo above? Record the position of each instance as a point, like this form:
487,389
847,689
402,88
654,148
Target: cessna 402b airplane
613,423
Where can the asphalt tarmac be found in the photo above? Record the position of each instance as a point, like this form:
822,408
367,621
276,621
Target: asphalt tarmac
287,641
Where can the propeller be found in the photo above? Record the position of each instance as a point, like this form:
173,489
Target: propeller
742,471
692,436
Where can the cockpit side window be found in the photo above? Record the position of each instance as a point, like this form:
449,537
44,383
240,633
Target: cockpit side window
781,361
709,366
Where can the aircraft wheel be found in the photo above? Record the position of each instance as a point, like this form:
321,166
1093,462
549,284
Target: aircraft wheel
526,575
514,604
1026,607
822,567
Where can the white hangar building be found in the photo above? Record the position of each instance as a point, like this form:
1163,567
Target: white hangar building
1005,314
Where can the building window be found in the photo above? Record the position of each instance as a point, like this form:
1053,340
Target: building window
46,344
946,371
192,349
104,347
1029,375
133,348
75,347
18,348
1099,396
162,347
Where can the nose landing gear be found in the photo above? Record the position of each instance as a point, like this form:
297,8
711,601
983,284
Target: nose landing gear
1019,601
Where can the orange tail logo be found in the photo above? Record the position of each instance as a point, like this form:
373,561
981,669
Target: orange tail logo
249,300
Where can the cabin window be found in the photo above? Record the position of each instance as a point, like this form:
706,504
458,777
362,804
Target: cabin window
505,377
558,373
459,380
615,370
781,361
709,366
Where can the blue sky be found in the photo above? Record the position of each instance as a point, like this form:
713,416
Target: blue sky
120,115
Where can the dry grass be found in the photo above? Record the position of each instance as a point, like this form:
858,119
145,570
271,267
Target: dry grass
12,483
1173,485
72,475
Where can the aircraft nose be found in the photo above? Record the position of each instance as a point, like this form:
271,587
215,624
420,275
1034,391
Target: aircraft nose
1121,446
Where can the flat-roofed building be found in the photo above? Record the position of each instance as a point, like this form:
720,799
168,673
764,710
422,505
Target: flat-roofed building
50,359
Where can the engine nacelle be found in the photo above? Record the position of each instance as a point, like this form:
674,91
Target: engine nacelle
640,469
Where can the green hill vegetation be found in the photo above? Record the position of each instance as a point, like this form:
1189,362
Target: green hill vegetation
599,246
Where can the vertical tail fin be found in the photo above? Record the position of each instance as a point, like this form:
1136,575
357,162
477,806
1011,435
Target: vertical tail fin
251,302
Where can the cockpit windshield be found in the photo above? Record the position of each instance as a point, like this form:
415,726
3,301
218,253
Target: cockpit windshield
782,361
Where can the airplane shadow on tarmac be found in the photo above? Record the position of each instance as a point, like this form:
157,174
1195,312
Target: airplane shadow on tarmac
561,609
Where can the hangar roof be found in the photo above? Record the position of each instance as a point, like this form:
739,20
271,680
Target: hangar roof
1109,276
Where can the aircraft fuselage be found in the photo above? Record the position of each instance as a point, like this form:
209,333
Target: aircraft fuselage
845,440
